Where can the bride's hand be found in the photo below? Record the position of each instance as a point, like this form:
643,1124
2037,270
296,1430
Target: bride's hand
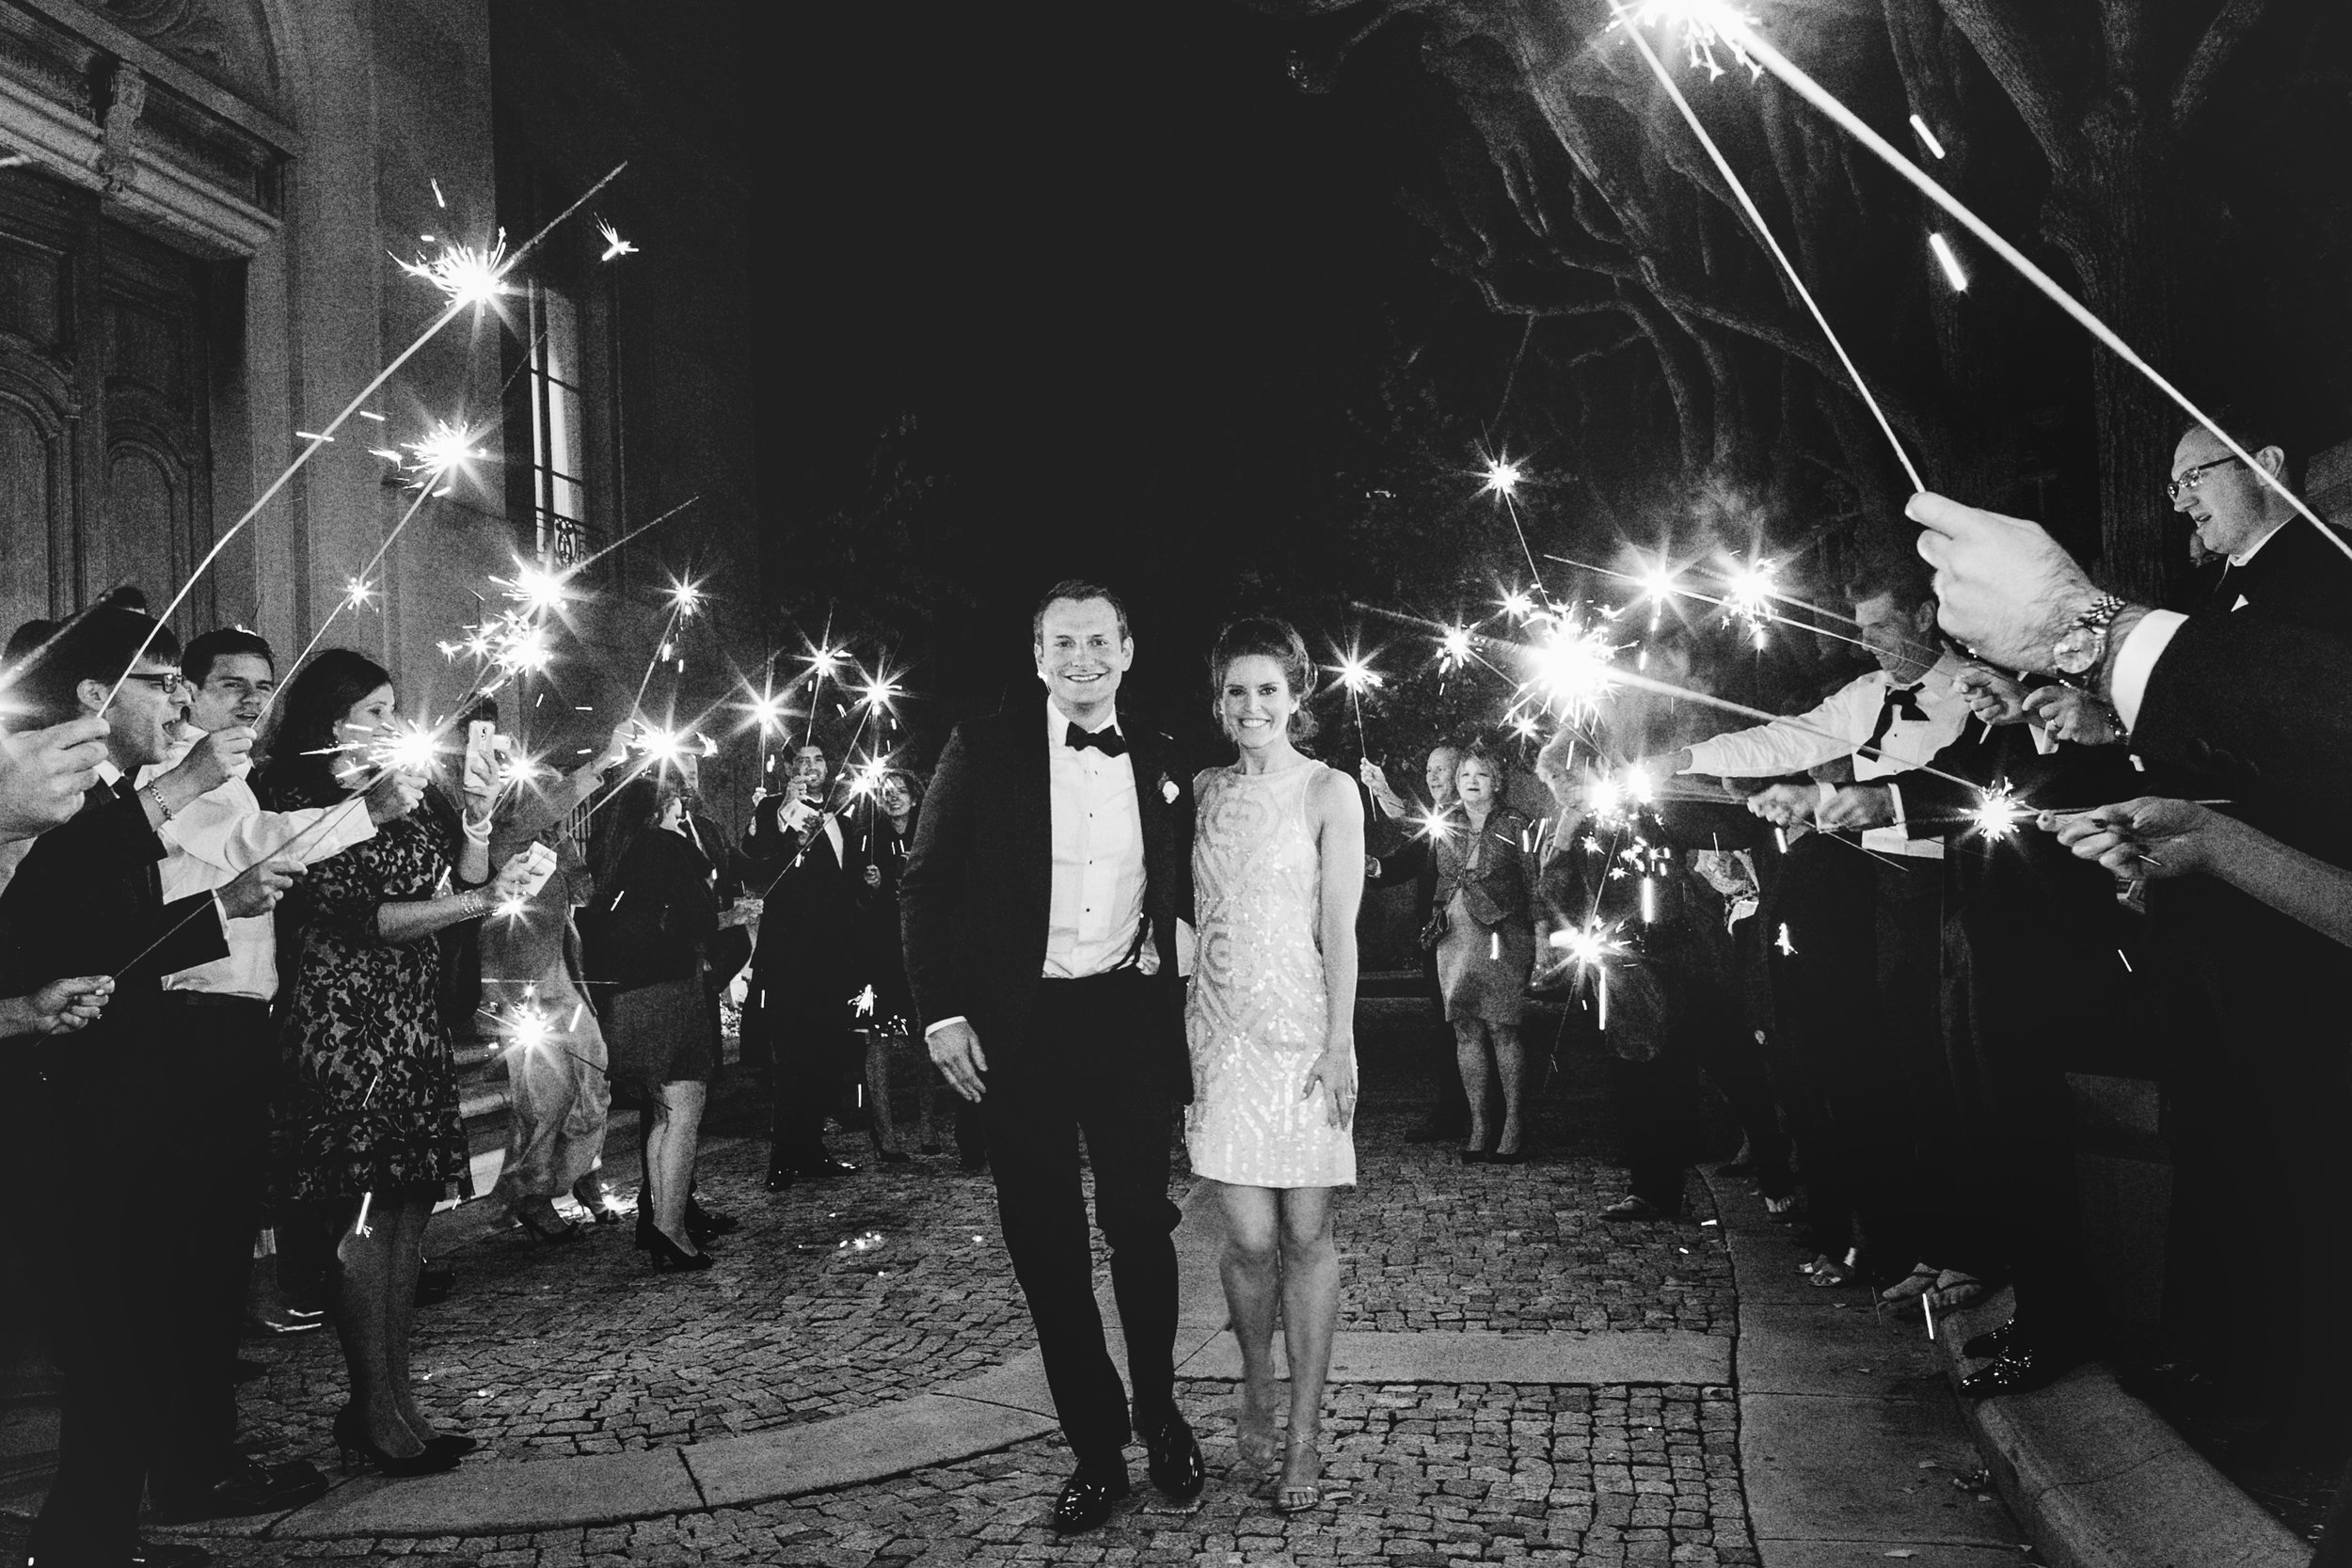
1335,1071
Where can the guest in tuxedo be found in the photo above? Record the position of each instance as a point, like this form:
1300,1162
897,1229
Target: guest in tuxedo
800,862
1049,874
2272,562
87,901
1414,860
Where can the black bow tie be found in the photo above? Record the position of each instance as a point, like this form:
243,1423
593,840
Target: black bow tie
1109,742
1900,700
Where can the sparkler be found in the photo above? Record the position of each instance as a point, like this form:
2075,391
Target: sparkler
1453,648
685,599
1998,814
1572,671
357,591
444,445
1503,477
613,244
1357,675
1732,25
1589,947
1750,598
468,274
454,308
1708,24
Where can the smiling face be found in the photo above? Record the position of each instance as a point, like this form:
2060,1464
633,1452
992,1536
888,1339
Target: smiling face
810,773
1080,658
235,690
1474,780
1255,703
2231,507
896,799
1437,773
1898,638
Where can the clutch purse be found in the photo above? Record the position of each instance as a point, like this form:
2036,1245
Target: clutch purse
1435,932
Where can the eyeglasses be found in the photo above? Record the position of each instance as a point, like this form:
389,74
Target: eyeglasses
167,684
2188,480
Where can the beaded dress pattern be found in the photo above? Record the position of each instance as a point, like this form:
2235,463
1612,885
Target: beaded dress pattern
1255,1018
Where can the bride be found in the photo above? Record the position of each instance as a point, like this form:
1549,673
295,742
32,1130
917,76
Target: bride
1277,871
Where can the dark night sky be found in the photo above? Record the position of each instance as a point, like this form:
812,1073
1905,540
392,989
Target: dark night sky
1127,275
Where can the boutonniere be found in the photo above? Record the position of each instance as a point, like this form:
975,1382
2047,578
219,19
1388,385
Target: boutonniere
1169,790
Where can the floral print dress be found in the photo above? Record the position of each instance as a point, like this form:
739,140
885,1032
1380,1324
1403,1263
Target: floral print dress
372,1103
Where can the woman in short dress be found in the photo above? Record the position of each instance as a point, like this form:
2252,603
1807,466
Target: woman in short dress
1484,877
1277,871
373,1104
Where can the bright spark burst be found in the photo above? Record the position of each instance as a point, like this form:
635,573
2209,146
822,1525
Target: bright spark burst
1998,814
1526,726
1517,605
1572,672
866,778
444,445
511,906
1453,648
613,244
1707,26
825,663
1357,674
535,588
1502,476
767,711
399,748
529,1028
881,691
685,597
1433,826
356,592
468,275
1748,597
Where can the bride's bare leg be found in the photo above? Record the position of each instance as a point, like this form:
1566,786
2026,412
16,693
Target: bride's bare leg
1250,1267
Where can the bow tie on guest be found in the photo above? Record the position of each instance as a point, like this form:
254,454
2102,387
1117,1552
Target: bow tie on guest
1901,701
1108,741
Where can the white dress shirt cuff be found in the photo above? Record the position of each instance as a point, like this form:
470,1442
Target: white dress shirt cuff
931,1029
2135,660
1894,797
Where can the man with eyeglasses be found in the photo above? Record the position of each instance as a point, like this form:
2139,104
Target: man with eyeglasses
2288,573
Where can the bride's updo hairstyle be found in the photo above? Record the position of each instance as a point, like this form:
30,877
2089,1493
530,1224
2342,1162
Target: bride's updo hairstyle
1264,637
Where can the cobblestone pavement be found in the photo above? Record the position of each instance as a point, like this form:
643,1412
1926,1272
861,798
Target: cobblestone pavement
546,1352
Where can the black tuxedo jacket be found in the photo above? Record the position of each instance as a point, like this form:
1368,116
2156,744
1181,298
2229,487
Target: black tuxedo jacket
808,930
2296,576
977,893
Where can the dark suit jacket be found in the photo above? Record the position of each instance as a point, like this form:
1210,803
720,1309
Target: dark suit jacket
977,893
2296,576
87,900
808,930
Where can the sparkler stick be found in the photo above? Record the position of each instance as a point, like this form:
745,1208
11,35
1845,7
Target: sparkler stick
326,435
354,596
1737,28
1736,606
1764,233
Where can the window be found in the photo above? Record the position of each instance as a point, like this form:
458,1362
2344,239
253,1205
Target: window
559,499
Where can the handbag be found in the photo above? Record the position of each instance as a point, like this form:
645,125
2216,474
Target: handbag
1435,932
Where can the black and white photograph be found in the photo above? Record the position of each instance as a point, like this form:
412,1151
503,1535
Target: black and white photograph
1176,784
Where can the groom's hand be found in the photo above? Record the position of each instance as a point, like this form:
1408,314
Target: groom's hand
956,1052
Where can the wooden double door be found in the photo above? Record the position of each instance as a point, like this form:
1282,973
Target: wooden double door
107,350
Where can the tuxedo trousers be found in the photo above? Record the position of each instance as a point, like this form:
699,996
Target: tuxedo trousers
1085,1070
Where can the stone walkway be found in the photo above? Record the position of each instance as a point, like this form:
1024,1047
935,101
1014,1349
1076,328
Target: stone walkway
854,1385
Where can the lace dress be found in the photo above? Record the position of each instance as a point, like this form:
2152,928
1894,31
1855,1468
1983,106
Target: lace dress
1255,1018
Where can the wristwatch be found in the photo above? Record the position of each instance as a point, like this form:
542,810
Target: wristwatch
2083,644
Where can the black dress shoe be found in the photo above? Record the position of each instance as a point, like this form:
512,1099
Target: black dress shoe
168,1554
2022,1369
1995,1341
248,1489
1088,1497
1174,1460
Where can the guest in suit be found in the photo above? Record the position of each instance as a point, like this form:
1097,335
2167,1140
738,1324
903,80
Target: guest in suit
87,901
1414,860
1042,905
802,864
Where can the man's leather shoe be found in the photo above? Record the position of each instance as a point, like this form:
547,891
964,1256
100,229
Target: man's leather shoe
249,1489
1174,1460
2020,1371
825,1167
168,1554
1087,1497
1996,1341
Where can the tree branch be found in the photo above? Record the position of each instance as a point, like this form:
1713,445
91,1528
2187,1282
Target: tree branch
2212,55
2008,50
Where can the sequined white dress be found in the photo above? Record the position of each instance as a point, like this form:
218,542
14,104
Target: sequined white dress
1255,1018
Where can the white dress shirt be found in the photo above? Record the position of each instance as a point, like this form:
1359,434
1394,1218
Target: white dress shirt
213,839
1098,883
1838,727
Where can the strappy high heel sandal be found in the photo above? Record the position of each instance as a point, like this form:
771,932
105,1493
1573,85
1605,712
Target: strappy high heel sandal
1305,1497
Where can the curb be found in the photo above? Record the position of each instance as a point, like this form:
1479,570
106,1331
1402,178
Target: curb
2098,1479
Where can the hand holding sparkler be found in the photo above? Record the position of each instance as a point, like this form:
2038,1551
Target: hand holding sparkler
220,756
1785,805
1856,806
59,1008
2069,713
394,797
1991,696
2119,836
45,774
2002,585
1384,794
259,887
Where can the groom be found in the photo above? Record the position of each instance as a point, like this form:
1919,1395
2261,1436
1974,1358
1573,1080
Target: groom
1051,866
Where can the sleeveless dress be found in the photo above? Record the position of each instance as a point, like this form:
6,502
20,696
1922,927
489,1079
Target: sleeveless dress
1255,1017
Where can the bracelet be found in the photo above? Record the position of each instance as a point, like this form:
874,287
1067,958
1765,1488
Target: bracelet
155,793
476,832
476,904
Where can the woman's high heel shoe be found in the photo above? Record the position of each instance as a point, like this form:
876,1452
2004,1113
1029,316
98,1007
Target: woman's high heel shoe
358,1451
667,1254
